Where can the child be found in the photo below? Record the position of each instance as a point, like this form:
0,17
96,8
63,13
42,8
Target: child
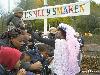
31,60
66,51
10,61
35,60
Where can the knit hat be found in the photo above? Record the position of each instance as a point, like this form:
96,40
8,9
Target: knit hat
9,57
18,9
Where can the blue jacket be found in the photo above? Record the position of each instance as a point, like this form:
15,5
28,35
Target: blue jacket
2,70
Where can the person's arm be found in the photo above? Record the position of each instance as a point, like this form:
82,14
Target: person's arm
35,66
25,65
30,67
50,42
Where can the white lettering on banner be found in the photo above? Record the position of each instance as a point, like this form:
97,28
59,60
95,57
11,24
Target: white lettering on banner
72,9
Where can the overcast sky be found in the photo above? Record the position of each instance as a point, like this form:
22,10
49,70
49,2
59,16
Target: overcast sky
12,3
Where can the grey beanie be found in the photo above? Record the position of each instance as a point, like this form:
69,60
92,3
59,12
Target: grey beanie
18,9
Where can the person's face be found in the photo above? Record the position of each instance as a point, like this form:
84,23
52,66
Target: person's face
45,54
26,38
18,41
58,34
53,31
17,65
20,14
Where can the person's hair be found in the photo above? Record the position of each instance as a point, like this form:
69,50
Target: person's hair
44,50
11,34
62,32
42,47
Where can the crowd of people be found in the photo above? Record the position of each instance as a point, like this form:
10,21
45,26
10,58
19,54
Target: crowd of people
23,53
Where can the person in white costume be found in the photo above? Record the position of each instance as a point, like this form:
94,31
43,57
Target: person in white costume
66,51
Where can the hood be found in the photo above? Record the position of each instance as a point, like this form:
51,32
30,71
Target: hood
9,57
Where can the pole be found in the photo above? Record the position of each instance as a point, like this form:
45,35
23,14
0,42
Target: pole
45,19
2,23
8,6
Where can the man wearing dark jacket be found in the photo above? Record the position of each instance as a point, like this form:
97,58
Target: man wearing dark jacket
15,20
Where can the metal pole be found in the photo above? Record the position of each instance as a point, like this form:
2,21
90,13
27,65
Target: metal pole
45,19
8,6
2,23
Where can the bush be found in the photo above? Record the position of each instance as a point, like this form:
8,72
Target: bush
95,39
97,31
